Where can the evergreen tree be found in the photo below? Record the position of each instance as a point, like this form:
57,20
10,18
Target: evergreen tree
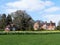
8,20
3,21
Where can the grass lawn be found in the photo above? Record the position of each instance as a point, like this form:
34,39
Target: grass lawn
38,39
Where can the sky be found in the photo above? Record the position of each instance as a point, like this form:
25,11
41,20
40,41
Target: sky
45,10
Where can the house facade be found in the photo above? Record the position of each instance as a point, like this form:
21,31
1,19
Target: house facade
36,26
45,26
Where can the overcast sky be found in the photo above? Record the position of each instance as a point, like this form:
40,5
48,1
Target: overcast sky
45,10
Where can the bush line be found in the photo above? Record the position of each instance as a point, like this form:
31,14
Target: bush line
28,32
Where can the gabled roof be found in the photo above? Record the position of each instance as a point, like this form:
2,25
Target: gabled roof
53,24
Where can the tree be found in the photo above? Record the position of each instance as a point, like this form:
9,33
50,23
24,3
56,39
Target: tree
58,26
22,19
8,20
3,21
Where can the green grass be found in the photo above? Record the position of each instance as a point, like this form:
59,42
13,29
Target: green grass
41,39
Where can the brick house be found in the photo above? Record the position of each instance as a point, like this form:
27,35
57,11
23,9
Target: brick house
36,26
46,26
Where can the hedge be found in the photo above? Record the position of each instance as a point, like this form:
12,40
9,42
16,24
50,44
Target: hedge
28,32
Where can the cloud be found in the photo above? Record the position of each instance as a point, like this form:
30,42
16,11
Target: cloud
28,5
49,3
44,7
52,9
52,17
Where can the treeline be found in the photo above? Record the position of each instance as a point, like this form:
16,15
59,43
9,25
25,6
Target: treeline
5,20
20,18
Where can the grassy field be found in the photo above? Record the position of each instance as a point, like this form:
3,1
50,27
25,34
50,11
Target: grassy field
38,39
